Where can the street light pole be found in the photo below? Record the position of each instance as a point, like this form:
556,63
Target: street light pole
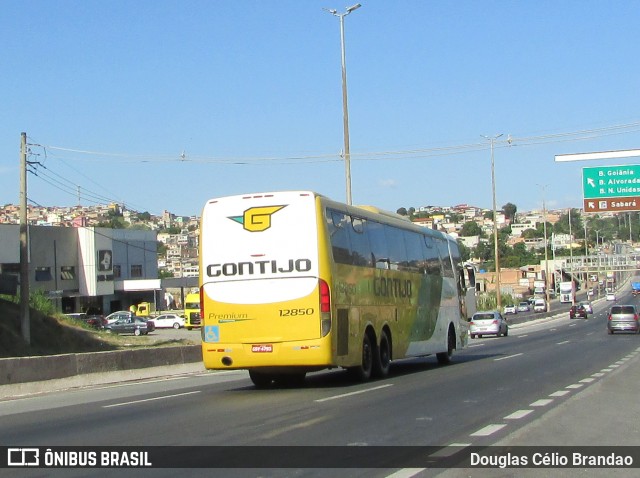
492,140
546,252
345,111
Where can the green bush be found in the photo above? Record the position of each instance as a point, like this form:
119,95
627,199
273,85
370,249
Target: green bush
489,300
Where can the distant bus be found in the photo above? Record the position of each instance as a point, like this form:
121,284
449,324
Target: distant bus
293,282
192,311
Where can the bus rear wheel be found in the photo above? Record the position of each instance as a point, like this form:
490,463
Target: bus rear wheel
260,380
362,372
383,357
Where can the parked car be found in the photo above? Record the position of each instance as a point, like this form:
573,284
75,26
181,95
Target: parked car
539,305
97,321
510,309
121,314
611,296
524,306
623,318
488,323
578,311
165,321
587,306
77,315
132,325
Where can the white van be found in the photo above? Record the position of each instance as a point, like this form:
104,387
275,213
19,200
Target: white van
539,305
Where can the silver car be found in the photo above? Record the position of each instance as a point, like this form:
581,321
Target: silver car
623,318
488,323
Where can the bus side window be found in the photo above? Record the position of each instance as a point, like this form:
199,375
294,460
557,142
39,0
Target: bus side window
432,259
378,241
360,248
337,223
415,251
443,249
397,250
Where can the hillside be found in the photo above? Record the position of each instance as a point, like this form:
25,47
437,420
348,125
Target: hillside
49,335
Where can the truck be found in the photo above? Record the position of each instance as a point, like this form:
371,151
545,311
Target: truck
635,286
145,309
192,311
567,292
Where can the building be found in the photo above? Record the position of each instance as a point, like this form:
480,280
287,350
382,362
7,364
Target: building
86,268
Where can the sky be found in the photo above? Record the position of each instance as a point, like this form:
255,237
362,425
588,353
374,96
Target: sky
163,105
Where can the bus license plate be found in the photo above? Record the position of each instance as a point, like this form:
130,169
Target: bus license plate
264,348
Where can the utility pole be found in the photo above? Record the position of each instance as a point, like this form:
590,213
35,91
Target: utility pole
24,245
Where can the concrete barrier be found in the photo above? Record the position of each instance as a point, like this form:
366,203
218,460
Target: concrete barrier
21,370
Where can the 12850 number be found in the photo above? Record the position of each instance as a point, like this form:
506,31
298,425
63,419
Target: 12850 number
296,312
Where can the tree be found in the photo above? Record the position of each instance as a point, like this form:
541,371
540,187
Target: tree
470,228
402,211
510,210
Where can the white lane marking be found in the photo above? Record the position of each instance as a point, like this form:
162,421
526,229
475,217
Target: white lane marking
543,402
122,404
450,449
334,397
406,473
562,343
606,370
575,385
559,393
488,430
519,414
587,380
521,336
507,357
295,426
476,345
598,374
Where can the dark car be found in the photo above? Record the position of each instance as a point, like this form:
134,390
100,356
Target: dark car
623,318
578,311
130,325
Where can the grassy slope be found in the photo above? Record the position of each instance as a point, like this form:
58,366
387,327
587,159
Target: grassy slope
51,335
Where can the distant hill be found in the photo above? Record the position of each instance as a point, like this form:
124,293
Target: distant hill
49,336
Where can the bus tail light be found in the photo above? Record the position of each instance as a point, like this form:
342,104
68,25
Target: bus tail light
325,308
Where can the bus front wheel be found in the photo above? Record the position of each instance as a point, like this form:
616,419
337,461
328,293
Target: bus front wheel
363,371
444,358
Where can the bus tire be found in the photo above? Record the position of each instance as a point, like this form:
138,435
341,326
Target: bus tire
444,358
362,372
291,379
382,362
260,380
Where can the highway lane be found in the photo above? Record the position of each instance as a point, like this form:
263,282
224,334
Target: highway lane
495,386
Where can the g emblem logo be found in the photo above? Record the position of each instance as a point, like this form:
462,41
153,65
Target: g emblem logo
257,219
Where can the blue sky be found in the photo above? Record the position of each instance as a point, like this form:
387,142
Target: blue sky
166,104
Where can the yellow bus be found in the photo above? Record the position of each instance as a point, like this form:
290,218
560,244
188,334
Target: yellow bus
293,282
192,311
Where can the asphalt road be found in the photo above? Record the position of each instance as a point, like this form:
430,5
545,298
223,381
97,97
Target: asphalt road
496,389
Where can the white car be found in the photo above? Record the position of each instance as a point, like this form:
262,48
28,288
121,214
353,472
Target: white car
539,305
167,321
611,296
510,309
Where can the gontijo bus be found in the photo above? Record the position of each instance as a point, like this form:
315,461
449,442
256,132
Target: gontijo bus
292,282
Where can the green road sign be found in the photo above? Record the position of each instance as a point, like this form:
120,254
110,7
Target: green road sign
611,182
